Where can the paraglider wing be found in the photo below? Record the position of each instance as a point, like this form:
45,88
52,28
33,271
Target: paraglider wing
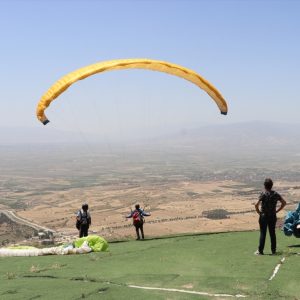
62,84
291,224
92,243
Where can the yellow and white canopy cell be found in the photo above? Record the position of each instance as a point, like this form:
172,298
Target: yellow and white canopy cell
137,63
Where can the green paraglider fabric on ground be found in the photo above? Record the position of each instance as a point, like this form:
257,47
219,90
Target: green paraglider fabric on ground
21,247
88,244
95,242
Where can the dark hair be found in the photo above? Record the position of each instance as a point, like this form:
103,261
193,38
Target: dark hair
137,206
85,206
268,183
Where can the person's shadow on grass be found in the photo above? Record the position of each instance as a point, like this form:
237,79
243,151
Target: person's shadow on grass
295,246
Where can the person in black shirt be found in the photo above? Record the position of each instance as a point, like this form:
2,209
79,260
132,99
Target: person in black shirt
266,207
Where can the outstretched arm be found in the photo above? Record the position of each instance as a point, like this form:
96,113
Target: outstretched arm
145,214
129,216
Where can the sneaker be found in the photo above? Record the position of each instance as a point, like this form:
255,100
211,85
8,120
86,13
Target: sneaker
258,253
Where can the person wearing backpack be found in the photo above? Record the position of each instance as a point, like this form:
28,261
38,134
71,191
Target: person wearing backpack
138,220
83,220
266,207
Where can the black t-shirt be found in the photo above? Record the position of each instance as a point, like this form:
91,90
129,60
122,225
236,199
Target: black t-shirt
269,201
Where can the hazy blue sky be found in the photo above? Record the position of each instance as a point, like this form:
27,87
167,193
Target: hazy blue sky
248,49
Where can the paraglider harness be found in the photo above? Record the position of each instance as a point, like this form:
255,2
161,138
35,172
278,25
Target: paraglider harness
84,219
138,218
292,222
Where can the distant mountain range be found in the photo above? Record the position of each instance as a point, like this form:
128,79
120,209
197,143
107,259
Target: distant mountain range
247,135
252,135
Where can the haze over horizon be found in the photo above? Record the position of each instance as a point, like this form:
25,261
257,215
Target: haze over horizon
247,49
240,136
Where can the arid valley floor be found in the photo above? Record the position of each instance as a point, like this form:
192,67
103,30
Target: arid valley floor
186,189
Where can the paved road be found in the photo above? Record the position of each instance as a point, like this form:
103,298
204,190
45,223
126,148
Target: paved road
16,219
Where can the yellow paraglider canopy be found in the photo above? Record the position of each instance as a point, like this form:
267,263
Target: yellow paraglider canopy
137,63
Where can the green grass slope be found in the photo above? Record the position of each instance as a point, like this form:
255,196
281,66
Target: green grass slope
215,263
